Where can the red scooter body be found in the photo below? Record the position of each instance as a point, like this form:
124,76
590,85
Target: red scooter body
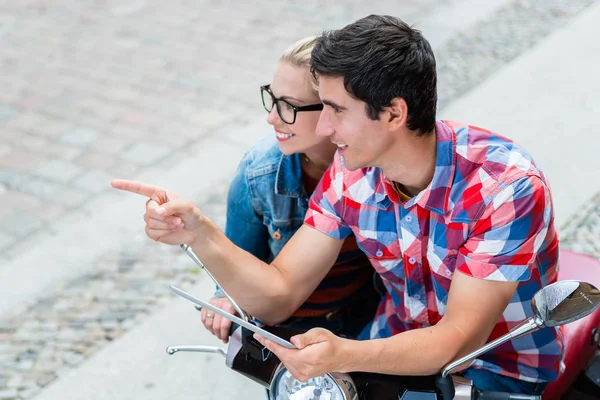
580,337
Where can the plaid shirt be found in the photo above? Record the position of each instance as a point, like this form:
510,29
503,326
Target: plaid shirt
487,213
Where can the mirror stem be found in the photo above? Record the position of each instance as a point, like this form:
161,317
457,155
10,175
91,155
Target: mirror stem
188,250
526,327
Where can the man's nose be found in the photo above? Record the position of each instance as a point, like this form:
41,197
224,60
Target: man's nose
324,127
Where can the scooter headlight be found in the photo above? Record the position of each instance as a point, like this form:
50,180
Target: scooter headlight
334,386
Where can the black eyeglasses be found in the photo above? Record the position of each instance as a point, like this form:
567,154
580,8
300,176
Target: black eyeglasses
286,110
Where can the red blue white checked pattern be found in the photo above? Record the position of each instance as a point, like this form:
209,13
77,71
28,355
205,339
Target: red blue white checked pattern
487,213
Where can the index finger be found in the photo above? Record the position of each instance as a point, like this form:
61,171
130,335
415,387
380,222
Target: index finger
135,187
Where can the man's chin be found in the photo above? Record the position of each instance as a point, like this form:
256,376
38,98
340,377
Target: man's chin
350,166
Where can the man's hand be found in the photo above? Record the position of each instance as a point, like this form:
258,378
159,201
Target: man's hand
319,352
216,324
169,218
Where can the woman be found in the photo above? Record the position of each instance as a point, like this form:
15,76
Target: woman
268,199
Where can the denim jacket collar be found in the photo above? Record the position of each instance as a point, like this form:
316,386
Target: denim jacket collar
288,181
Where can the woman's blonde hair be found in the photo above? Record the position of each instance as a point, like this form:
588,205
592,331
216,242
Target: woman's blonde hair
298,54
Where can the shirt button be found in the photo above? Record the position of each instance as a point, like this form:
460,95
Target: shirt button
412,260
276,235
379,253
448,272
408,218
417,297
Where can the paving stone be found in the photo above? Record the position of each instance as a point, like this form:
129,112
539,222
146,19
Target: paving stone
49,212
41,188
45,378
59,171
19,224
5,149
11,179
20,160
94,181
79,137
7,113
145,154
111,144
32,143
10,394
71,198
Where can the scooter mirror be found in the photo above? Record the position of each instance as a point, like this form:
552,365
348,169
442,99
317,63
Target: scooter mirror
564,302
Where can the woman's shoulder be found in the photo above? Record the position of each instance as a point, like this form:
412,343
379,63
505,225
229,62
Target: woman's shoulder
263,157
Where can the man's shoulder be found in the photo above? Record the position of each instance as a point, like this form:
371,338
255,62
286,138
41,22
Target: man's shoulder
501,159
487,163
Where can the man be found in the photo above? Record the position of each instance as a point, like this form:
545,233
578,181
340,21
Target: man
458,222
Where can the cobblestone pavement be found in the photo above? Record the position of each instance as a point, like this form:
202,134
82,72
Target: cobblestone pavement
60,332
97,89
582,233
93,90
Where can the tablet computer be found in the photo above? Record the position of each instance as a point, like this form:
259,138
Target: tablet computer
233,318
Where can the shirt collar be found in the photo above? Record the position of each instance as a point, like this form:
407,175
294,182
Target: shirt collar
288,181
436,195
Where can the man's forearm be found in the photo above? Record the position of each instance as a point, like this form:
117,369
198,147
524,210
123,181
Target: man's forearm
418,352
259,288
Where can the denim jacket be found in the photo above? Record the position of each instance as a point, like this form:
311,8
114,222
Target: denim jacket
267,195
266,202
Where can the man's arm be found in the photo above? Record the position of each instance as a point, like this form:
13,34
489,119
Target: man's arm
474,307
270,292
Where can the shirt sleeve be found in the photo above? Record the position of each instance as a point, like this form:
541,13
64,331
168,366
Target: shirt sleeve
244,226
507,238
326,205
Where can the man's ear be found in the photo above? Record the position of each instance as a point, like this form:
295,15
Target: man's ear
397,112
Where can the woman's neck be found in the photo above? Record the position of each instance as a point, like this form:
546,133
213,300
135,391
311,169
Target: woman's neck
316,162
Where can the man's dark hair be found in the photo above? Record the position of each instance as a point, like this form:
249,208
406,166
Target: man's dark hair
381,58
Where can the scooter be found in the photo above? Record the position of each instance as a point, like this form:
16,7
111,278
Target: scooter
569,302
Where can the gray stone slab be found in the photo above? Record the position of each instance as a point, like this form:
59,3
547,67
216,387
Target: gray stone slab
145,154
6,240
94,181
79,137
10,394
19,224
59,171
39,187
72,197
7,113
4,150
11,178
